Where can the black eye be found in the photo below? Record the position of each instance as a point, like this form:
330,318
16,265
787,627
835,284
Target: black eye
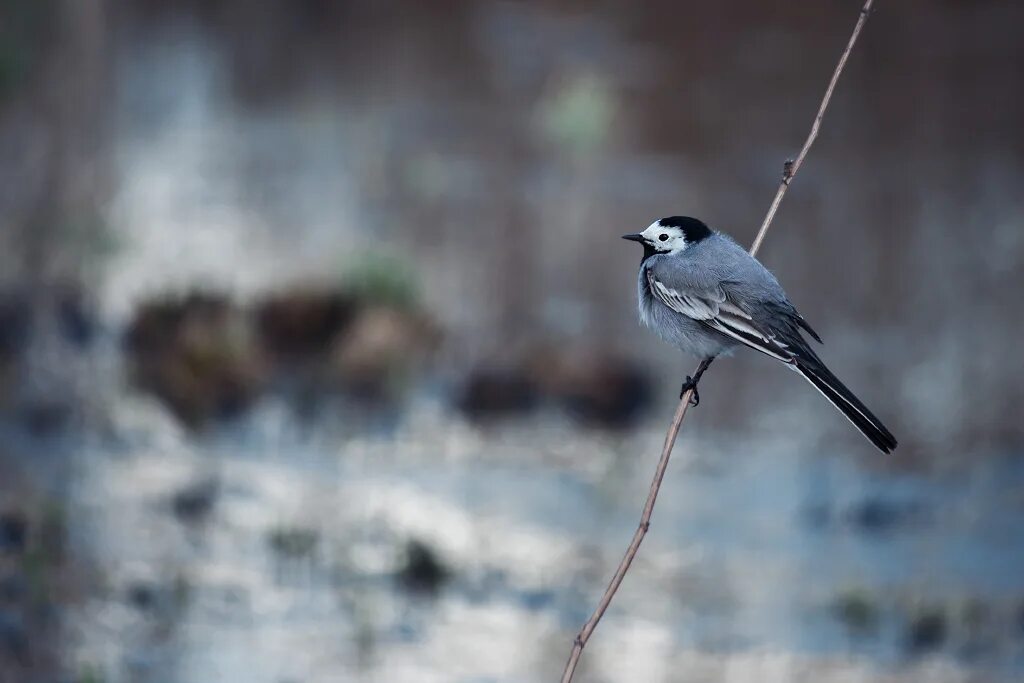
662,237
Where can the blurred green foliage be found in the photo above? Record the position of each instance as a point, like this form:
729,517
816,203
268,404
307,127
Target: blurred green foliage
384,280
578,116
91,674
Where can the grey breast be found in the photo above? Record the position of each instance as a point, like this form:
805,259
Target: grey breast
680,331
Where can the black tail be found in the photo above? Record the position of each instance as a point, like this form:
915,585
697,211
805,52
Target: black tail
848,404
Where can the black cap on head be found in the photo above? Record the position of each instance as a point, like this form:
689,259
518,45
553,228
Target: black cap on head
693,230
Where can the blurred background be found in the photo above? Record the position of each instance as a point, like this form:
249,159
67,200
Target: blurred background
319,358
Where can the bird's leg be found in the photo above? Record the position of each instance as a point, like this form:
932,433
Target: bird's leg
691,382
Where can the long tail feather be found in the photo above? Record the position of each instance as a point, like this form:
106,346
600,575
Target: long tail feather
848,404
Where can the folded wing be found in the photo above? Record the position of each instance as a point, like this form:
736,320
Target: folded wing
775,334
711,306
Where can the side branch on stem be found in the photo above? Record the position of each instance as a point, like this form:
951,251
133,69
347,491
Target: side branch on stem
789,172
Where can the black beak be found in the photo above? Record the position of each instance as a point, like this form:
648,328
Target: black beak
634,237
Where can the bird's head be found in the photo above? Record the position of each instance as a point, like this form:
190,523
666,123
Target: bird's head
670,235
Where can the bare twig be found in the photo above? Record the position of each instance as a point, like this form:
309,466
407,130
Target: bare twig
790,170
791,167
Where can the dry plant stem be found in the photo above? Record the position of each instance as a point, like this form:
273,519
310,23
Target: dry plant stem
634,545
791,167
789,172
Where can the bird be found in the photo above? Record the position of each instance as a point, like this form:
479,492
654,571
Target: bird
706,295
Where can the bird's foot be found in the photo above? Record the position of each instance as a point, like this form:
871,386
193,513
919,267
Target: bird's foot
688,385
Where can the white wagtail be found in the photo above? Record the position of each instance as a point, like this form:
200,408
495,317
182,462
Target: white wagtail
703,293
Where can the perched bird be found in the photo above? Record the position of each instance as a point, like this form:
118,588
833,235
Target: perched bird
703,293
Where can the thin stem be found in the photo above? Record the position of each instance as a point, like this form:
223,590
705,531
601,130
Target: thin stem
789,172
634,545
791,167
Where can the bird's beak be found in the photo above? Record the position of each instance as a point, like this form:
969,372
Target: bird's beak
634,237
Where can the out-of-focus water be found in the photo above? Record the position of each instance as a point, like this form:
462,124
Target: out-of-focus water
285,564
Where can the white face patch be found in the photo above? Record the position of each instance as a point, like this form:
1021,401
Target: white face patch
665,239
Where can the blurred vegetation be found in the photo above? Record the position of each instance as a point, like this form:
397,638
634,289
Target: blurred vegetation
378,279
197,354
422,571
293,542
207,357
578,116
91,674
856,609
927,630
40,577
